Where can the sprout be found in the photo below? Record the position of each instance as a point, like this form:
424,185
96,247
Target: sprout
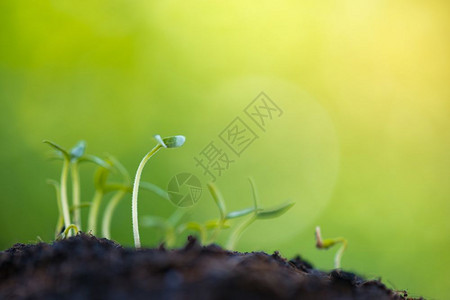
71,160
65,233
258,214
121,190
63,184
327,243
75,154
101,175
168,142
224,216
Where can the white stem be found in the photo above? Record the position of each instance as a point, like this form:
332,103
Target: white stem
64,202
93,212
134,208
109,211
76,195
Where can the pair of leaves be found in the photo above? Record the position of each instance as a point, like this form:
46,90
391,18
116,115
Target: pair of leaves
260,213
171,141
77,154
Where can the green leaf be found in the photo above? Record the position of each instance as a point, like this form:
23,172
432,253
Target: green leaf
218,199
58,148
275,211
95,160
78,151
240,213
155,189
171,141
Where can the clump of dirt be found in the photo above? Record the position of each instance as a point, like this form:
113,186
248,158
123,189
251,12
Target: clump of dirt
85,267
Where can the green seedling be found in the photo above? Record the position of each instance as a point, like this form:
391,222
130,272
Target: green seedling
327,243
258,214
75,154
100,178
168,142
63,183
60,223
121,190
66,232
71,159
222,223
171,230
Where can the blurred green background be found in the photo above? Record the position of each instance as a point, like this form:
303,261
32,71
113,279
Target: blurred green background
362,147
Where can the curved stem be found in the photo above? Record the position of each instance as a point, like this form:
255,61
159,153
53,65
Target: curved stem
327,243
93,212
238,232
64,202
340,252
134,208
76,194
109,211
71,226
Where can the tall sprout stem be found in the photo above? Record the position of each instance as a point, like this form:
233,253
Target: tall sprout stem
75,175
327,243
64,202
134,207
93,212
232,241
340,252
109,211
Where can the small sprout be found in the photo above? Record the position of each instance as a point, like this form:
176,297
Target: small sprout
327,243
168,142
63,184
75,153
71,160
120,191
224,216
101,175
66,231
258,214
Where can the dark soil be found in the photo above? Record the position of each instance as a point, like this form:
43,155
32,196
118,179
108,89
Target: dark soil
84,267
